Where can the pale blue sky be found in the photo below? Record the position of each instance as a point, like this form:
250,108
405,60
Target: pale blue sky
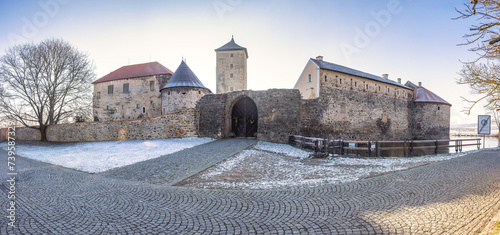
418,42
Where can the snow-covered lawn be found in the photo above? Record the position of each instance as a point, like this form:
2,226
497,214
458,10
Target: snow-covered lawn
97,157
270,165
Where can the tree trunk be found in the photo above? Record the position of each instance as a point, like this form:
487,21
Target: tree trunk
43,133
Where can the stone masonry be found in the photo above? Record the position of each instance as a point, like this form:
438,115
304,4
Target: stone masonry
183,123
278,112
231,68
141,100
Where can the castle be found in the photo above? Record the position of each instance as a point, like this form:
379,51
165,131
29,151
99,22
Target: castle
328,100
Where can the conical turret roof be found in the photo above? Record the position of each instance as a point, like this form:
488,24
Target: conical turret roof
231,46
184,77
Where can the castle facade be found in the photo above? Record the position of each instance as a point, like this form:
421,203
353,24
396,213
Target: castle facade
328,101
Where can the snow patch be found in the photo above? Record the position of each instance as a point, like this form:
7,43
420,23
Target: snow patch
282,149
97,157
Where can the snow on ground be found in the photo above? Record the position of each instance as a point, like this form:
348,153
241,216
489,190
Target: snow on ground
284,166
97,157
282,149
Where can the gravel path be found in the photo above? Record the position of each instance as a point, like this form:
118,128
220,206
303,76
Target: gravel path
172,168
459,196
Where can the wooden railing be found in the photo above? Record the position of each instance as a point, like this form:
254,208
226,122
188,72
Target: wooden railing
343,147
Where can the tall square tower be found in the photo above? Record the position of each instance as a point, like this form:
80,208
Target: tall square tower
231,68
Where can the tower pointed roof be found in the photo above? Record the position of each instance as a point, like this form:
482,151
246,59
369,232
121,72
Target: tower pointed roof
184,77
232,46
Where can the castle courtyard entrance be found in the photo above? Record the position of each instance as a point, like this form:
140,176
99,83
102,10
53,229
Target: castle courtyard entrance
244,118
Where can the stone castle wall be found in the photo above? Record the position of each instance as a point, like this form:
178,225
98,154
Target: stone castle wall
182,123
353,115
430,121
139,102
21,133
177,98
278,112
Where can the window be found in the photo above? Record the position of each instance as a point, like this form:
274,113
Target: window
168,93
231,65
163,111
439,108
309,78
107,107
199,92
231,89
355,84
143,109
231,75
154,105
98,95
123,106
340,81
138,106
152,85
110,89
125,88
325,79
232,55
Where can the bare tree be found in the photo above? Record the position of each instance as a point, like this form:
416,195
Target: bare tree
484,35
44,83
496,117
483,79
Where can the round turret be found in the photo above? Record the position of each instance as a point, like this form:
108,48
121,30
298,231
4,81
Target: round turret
182,91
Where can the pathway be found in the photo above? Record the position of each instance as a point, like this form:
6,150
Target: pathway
458,196
175,167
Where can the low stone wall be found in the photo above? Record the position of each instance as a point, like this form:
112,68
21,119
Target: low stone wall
21,133
3,134
178,124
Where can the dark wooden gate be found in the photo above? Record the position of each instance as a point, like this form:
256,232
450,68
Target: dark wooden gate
244,118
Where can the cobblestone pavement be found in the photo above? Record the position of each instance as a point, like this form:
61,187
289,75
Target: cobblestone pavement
458,196
172,168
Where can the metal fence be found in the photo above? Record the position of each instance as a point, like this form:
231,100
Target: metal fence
408,147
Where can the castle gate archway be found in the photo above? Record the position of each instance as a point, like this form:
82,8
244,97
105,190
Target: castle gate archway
244,118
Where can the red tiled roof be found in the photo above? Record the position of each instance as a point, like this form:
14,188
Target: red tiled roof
425,96
136,70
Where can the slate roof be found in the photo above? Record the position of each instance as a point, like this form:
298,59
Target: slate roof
231,46
425,96
346,70
136,70
184,77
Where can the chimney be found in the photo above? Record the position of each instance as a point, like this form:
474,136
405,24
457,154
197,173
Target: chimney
385,75
399,80
419,84
320,57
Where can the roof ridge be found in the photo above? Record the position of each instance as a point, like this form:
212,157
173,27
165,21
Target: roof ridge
135,70
344,69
